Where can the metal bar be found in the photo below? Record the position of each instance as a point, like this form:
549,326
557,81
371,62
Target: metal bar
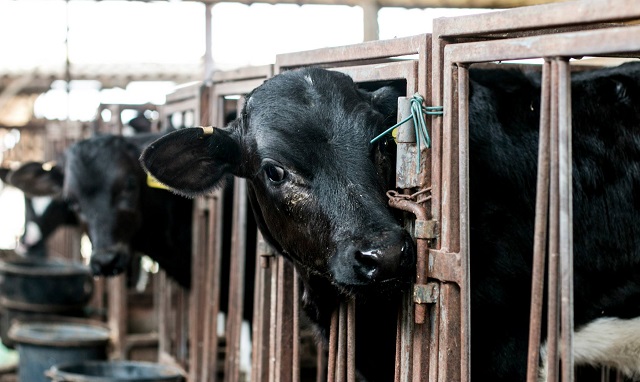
463,168
540,230
260,351
351,340
450,202
538,17
273,349
236,281
333,347
197,302
212,279
553,314
321,363
404,340
573,44
341,354
372,50
295,328
283,323
566,217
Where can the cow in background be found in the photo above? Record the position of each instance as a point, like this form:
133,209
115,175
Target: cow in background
44,212
317,190
103,184
125,214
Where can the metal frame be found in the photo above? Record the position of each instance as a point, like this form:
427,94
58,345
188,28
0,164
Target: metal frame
451,61
207,260
403,58
433,331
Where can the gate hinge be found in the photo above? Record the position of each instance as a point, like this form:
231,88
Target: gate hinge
426,293
426,229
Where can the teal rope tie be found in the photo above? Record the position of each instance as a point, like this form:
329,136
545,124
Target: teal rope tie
418,112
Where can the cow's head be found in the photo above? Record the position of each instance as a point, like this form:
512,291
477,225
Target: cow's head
316,184
101,182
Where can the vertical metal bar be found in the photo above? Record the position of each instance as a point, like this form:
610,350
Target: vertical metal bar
553,314
208,39
566,217
333,347
236,281
117,320
261,315
295,310
463,166
450,189
404,337
197,305
283,322
351,340
540,230
212,279
341,356
321,363
273,324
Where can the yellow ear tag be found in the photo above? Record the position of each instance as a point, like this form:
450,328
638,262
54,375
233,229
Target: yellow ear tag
154,183
394,134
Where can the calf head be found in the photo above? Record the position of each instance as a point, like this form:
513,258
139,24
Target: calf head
101,181
316,183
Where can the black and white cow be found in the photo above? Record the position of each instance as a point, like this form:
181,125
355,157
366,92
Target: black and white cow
317,191
104,185
44,212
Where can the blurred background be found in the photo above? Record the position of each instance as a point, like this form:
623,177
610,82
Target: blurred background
61,60
68,68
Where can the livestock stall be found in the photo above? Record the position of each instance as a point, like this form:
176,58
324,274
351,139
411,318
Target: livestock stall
433,327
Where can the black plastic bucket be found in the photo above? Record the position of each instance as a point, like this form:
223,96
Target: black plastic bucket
42,345
32,289
43,285
114,371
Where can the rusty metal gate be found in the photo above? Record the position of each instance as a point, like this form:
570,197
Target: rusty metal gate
433,328
403,59
555,33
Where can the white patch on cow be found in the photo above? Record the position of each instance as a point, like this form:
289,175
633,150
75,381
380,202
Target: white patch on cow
40,204
607,341
32,234
309,79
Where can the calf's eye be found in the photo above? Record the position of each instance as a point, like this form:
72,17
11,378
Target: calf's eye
275,173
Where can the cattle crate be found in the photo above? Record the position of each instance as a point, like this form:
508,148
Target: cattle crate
125,119
406,61
181,108
554,33
175,304
225,247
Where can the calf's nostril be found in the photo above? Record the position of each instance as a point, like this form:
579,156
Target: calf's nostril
369,259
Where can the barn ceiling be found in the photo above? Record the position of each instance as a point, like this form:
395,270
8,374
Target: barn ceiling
18,82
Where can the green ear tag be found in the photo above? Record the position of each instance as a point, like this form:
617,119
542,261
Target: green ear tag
154,183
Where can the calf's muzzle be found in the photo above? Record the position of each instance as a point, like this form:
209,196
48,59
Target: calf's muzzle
109,262
390,257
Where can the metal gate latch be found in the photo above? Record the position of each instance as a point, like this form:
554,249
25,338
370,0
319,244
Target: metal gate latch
426,293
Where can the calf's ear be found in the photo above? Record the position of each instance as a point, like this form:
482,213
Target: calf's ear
385,100
193,161
37,178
